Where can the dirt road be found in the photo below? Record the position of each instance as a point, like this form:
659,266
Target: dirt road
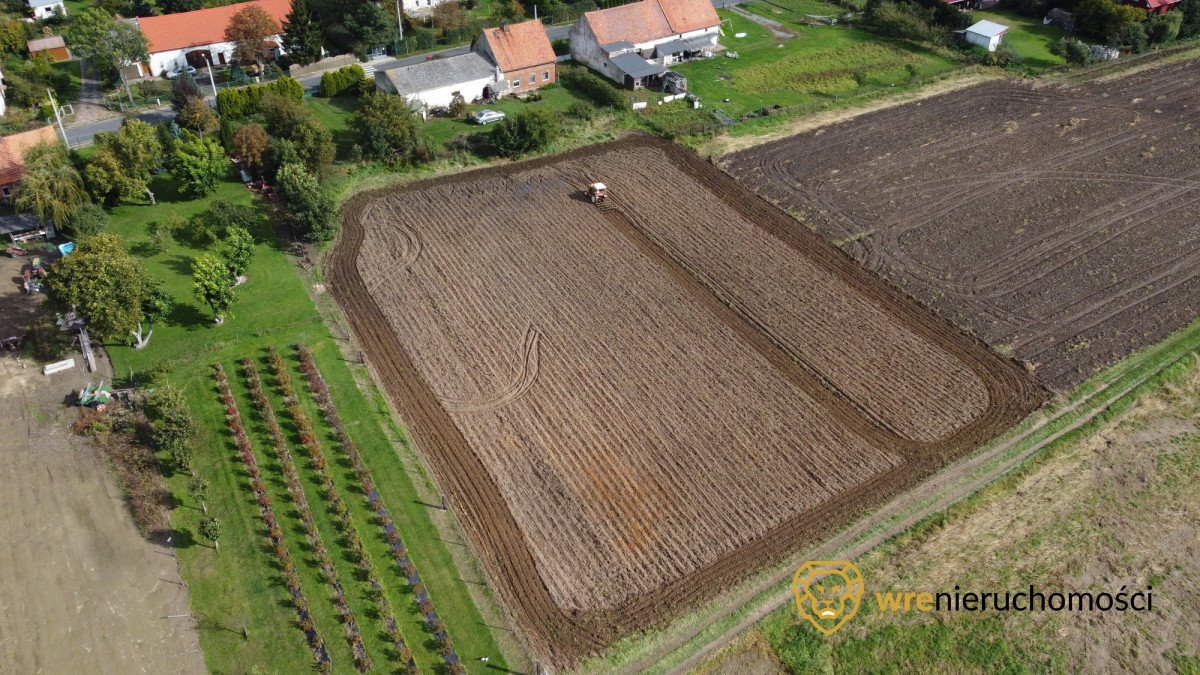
82,591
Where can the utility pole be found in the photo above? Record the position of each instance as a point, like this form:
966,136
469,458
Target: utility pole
400,19
210,75
58,117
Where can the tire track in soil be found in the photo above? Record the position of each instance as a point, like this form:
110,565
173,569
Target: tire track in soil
528,368
562,638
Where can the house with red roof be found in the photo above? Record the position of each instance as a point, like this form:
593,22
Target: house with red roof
522,52
633,44
195,38
503,61
12,156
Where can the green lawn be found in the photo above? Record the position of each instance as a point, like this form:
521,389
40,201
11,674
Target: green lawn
817,67
335,114
237,594
553,97
1027,37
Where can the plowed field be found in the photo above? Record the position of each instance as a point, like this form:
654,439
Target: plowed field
633,407
1061,224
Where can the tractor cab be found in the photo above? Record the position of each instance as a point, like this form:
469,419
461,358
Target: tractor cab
597,193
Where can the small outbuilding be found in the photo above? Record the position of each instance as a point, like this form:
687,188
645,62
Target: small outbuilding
52,46
986,34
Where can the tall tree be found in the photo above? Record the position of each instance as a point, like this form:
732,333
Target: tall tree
52,188
250,145
198,116
311,207
387,128
1190,26
355,25
105,284
239,250
248,30
107,44
211,285
302,37
157,303
183,90
124,162
199,164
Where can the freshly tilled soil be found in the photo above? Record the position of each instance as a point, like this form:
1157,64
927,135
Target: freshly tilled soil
632,408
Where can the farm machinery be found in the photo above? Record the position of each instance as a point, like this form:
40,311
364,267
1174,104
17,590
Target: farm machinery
597,194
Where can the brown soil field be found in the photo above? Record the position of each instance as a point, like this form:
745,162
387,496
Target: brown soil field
1061,224
633,407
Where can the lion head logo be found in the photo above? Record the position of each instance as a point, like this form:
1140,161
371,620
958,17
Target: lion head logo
828,593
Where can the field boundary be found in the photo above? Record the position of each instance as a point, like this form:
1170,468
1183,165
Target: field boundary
958,483
562,637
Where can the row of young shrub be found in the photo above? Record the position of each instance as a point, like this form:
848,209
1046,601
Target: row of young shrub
291,578
245,101
344,80
362,660
320,392
341,510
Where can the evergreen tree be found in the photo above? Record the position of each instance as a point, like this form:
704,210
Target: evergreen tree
302,39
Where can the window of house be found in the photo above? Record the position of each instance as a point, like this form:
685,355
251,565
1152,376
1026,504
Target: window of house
533,79
546,75
516,82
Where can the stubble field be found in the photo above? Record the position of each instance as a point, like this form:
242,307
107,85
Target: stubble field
632,408
1061,225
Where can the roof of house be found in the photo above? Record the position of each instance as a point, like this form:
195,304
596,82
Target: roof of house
439,73
13,148
202,26
987,28
44,3
1155,4
19,222
650,20
51,42
519,45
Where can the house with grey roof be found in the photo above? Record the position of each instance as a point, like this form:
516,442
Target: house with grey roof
44,9
434,83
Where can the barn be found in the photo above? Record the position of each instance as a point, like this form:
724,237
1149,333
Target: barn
434,83
986,34
633,44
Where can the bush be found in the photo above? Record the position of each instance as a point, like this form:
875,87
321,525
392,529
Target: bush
561,47
87,220
527,131
388,130
1072,50
458,105
581,110
599,90
312,208
223,214
171,424
342,80
245,101
1131,37
1162,28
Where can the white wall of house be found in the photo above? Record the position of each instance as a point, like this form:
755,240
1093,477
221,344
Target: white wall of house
174,59
48,10
433,98
586,49
421,7
988,43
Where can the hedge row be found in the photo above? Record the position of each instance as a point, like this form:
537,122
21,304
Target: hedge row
291,578
245,101
599,90
342,80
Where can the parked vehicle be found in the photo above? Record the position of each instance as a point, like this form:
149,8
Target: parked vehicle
187,68
487,116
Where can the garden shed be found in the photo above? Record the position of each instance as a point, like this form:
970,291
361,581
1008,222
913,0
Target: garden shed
986,34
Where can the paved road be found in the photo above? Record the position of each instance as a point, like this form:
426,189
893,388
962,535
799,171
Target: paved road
82,134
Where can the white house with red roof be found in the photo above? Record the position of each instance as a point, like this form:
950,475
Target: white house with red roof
184,38
633,44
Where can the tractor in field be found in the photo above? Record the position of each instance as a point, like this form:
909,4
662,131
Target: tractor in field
597,193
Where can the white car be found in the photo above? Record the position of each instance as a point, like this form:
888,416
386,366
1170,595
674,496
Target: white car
188,68
487,116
